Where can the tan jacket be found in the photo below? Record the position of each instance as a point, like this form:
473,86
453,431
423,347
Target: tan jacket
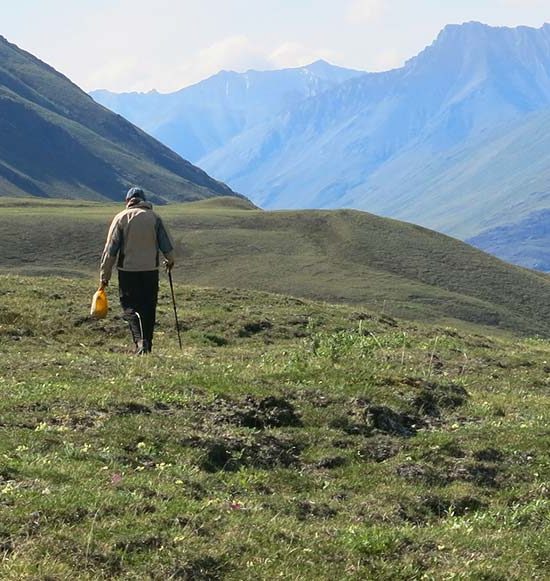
136,236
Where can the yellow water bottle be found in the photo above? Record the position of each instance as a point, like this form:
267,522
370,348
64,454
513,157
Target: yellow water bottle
100,304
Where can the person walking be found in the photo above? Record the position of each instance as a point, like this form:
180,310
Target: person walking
136,238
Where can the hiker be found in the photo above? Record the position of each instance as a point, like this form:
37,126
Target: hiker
136,236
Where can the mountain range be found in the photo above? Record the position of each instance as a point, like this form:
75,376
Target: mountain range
200,119
456,140
56,141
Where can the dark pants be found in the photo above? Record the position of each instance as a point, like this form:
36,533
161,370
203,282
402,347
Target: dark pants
138,293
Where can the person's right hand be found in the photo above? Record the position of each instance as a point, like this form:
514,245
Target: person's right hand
103,284
169,264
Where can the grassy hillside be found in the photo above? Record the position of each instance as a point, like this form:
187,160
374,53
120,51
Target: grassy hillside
290,439
339,256
56,141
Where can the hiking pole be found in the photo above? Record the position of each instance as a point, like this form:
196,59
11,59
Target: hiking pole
174,305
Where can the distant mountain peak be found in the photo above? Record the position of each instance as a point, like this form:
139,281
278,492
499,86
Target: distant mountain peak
203,117
323,68
320,64
469,25
320,67
470,44
466,30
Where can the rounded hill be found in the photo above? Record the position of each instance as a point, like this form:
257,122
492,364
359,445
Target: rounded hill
334,255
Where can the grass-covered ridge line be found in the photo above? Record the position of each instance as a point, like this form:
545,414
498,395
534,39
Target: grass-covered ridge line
339,256
290,438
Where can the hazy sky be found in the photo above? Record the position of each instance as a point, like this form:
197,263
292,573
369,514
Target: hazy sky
127,45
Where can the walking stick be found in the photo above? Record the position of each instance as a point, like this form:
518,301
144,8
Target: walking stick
174,305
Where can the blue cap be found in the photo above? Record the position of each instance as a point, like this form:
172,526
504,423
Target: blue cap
135,193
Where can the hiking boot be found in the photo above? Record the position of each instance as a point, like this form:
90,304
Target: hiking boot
142,348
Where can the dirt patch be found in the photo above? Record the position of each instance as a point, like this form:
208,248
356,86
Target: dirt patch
343,444
131,408
360,316
478,473
191,523
489,455
379,449
440,506
259,451
384,419
420,511
299,326
331,462
436,363
7,543
216,340
8,474
7,546
167,409
12,326
200,569
194,489
433,398
255,413
366,419
443,455
420,473
79,321
388,321
254,327
18,333
77,420
83,421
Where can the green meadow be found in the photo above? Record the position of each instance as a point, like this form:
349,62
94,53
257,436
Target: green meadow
352,436
289,439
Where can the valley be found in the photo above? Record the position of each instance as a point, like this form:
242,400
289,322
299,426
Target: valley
361,391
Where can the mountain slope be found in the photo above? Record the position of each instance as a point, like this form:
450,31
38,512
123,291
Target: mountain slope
523,242
340,256
55,141
199,119
393,142
488,181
